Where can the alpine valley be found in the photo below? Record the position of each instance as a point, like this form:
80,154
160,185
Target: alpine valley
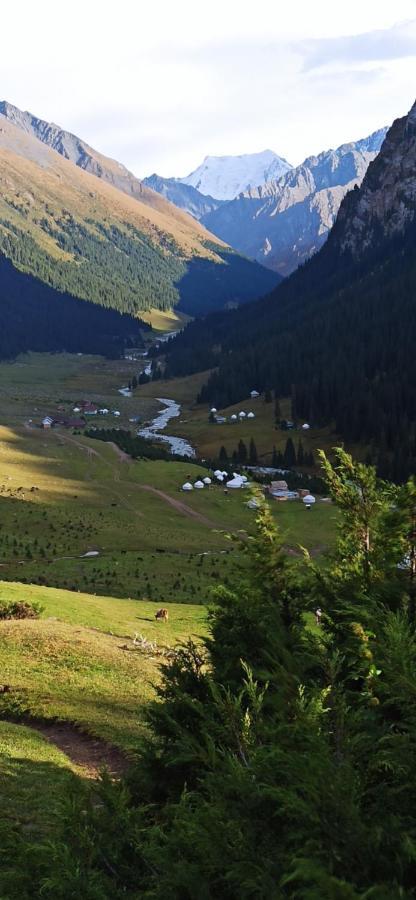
338,336
207,458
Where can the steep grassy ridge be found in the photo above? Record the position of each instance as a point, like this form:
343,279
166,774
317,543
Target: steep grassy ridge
80,234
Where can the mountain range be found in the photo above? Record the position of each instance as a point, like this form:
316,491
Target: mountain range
83,225
284,217
338,336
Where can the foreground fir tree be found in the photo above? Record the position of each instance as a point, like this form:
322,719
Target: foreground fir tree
281,757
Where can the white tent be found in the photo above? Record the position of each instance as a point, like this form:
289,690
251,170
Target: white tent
233,417
187,486
220,477
241,415
254,394
309,499
235,482
305,426
213,410
251,415
198,485
243,477
225,474
217,473
207,480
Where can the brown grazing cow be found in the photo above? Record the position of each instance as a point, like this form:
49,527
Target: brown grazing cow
162,614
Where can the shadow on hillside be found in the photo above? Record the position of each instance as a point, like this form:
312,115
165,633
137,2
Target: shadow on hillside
207,286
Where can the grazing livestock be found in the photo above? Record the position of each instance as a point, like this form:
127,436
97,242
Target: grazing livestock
162,614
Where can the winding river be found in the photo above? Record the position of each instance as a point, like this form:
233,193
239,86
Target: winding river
178,446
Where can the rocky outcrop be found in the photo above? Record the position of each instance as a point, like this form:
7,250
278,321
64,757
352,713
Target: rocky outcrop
385,205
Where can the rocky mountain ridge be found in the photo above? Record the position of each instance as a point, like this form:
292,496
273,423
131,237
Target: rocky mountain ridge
64,220
282,223
386,204
182,195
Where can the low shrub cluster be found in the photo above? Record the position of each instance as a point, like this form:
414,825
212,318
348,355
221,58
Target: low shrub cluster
19,609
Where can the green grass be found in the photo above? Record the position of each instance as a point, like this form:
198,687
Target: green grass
77,663
62,495
34,776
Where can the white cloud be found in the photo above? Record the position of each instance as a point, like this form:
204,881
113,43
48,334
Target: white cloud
160,84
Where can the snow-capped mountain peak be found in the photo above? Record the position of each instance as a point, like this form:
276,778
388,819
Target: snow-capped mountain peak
224,177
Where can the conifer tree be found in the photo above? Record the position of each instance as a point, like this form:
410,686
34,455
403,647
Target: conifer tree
223,456
252,453
242,452
289,455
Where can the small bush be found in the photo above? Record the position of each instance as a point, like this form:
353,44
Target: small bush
19,609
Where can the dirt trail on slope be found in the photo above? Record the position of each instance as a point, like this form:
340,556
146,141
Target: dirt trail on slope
179,506
91,754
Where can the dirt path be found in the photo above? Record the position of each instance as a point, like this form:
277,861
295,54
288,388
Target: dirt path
179,506
90,754
123,457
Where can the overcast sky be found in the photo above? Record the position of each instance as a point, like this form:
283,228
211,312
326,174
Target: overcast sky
159,84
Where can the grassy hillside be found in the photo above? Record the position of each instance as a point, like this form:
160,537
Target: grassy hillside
78,663
77,666
79,234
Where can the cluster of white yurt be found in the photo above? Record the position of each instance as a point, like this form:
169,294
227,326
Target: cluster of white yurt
309,500
237,481
198,485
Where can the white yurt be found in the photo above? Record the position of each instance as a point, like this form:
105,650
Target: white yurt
233,417
187,486
251,415
224,474
217,473
309,499
213,410
220,477
235,482
198,485
243,477
254,394
207,480
305,426
242,414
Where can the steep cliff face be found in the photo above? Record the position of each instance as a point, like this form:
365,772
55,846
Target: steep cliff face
386,203
282,223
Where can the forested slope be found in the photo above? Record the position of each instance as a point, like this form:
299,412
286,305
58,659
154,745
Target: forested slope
339,335
86,235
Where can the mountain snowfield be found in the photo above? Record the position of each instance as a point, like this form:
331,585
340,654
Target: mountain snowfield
224,177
